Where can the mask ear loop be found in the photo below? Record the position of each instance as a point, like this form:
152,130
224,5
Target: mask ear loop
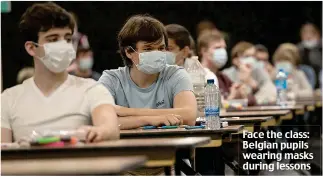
38,45
130,47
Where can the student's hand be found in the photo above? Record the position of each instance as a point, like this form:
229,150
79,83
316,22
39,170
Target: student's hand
94,133
234,91
244,73
168,120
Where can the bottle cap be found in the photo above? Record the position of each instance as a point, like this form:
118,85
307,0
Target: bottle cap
210,81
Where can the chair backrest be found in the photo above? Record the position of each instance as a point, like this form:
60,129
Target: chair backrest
310,74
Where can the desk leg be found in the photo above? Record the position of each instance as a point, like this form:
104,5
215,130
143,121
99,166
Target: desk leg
167,171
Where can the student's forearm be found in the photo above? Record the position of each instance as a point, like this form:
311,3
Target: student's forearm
132,122
187,114
6,135
105,117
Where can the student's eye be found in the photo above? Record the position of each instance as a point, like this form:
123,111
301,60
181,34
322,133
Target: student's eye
52,39
162,48
148,49
69,40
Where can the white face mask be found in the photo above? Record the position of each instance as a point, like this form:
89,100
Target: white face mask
261,64
170,58
220,57
310,43
151,62
58,55
287,67
86,63
250,61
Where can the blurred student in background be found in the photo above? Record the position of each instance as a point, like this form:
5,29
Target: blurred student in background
24,74
84,61
245,69
147,90
287,57
262,55
52,99
180,43
79,40
213,55
311,48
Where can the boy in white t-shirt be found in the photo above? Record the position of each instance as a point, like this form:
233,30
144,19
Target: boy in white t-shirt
52,99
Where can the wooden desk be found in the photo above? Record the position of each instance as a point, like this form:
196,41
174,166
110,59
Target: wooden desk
279,113
165,147
72,166
251,123
216,135
298,109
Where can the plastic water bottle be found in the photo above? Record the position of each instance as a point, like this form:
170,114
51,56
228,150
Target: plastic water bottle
198,79
212,105
281,87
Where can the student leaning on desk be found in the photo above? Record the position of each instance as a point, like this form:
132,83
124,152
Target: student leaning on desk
146,90
52,99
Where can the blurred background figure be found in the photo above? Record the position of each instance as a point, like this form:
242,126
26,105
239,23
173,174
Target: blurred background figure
24,74
80,41
287,57
84,63
311,48
213,55
245,69
209,26
262,55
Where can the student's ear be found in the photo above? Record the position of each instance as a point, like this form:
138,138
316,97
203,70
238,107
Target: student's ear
186,51
235,61
128,52
30,48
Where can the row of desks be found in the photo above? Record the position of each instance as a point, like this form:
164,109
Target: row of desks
160,148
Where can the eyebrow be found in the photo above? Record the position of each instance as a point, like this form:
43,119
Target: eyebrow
52,35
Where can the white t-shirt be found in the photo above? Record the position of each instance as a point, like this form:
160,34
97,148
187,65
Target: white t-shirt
26,109
207,73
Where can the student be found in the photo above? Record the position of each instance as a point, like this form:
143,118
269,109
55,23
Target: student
84,61
146,90
287,57
245,70
52,99
311,48
213,55
180,43
262,56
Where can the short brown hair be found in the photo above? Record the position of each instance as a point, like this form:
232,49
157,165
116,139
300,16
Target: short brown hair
206,38
240,48
204,25
179,34
139,28
41,17
287,51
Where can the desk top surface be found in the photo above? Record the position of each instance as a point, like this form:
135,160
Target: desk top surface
268,108
72,166
254,113
179,131
242,120
125,144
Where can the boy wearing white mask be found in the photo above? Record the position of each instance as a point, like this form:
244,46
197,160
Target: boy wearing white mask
287,57
246,70
52,99
146,90
180,47
213,54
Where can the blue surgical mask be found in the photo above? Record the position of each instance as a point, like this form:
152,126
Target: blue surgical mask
220,57
287,67
151,62
86,63
170,58
250,61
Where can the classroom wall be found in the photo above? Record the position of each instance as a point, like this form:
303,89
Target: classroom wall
270,23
